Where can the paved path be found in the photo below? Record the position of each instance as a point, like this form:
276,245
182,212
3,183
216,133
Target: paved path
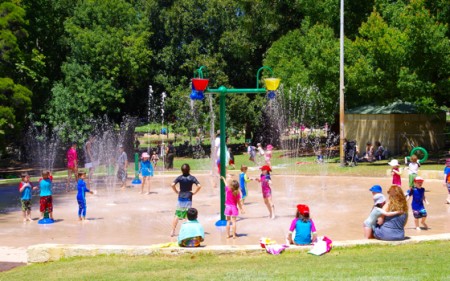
338,206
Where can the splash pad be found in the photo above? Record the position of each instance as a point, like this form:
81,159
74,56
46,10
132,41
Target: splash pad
338,205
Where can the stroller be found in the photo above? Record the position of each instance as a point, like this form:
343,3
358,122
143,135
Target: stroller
350,153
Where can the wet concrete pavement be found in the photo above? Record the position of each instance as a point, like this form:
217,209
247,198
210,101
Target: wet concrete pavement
338,206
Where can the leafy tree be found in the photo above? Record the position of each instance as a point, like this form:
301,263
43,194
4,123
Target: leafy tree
12,32
15,104
15,98
107,61
308,57
401,55
45,48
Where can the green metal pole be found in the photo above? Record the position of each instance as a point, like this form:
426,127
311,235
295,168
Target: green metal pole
223,164
136,179
223,91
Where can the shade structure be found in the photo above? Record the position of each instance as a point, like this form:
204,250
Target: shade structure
272,83
200,84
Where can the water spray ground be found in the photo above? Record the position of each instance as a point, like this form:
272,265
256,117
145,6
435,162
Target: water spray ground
338,206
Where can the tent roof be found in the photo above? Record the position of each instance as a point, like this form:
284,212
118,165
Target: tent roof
397,107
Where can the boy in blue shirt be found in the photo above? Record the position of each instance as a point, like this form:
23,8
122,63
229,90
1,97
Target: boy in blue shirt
81,195
417,192
46,200
26,188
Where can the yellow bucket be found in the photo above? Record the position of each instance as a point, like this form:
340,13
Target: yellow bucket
272,83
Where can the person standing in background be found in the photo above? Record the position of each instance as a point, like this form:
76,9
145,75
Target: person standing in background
72,165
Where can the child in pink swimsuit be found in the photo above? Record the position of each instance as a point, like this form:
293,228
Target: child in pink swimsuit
72,165
232,201
266,189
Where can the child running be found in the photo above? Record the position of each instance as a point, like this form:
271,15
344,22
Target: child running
395,172
232,201
26,188
303,225
267,190
418,197
46,200
186,180
81,195
146,169
243,179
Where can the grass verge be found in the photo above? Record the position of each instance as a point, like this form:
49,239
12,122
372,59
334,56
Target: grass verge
420,261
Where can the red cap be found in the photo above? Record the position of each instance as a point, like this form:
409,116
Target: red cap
418,179
266,168
303,209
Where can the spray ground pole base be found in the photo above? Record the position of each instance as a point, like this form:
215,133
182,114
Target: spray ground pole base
136,181
221,223
46,219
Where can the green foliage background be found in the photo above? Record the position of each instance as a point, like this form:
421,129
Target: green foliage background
69,62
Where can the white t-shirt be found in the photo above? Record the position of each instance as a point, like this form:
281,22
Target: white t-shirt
413,168
260,151
217,142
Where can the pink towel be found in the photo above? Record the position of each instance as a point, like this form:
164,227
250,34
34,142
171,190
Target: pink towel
275,249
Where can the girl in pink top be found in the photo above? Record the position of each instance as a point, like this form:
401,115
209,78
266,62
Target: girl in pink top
232,201
266,189
396,174
72,164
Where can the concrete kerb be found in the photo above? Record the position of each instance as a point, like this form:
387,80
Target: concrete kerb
53,252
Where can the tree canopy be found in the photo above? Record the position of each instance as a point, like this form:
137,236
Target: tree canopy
69,62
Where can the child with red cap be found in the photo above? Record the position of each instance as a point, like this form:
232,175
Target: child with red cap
417,192
266,189
303,225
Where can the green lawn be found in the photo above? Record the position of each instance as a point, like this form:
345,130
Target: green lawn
419,261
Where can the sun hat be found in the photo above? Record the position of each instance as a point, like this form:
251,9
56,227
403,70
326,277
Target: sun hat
145,155
378,198
419,179
376,188
394,162
269,147
266,168
303,209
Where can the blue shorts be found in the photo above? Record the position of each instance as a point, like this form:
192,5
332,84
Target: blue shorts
420,213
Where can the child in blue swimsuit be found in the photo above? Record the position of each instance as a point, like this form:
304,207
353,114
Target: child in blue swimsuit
146,170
